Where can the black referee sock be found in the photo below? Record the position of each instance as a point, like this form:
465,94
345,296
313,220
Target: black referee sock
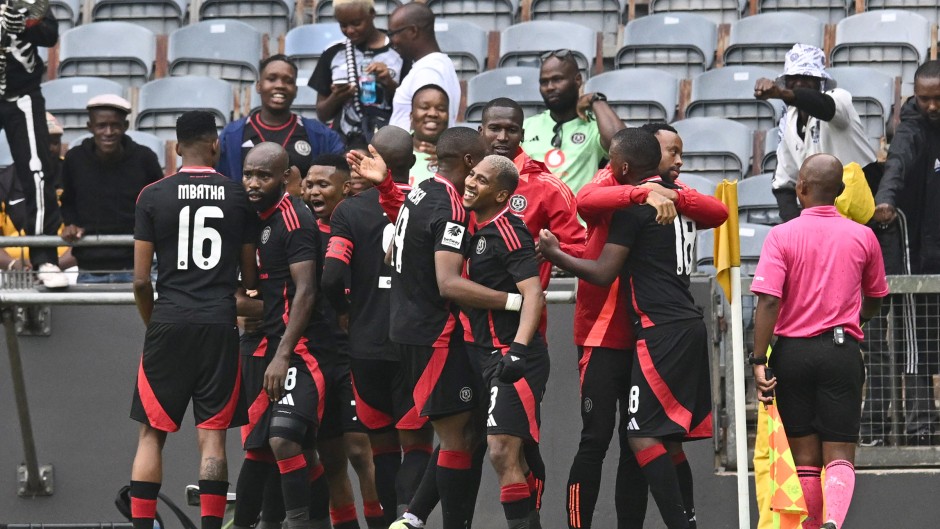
213,495
454,479
410,487
249,490
684,475
143,503
387,464
631,491
426,497
664,485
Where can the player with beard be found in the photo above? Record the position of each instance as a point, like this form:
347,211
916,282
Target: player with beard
429,118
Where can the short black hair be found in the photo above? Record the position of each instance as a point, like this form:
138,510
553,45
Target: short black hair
638,147
504,102
653,128
928,70
431,87
196,125
278,57
331,160
458,141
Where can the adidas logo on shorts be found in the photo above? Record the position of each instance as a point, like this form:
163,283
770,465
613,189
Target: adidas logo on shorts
632,425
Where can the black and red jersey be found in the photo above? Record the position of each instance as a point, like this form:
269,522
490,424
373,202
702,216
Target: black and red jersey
431,220
658,267
361,234
198,221
291,135
501,253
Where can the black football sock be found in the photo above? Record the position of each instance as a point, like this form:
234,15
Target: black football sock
631,491
533,458
515,500
664,485
426,496
454,479
213,496
584,485
295,487
143,503
684,475
344,517
249,490
319,498
387,465
375,515
272,507
476,467
414,465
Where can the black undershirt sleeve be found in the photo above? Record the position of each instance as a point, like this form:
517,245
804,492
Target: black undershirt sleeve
815,103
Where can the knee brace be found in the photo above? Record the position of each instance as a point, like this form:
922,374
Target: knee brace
293,429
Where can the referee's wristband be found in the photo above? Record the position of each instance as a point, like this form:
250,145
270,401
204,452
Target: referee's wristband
514,302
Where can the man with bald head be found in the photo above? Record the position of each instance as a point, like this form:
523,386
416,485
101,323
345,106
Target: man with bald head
411,30
819,278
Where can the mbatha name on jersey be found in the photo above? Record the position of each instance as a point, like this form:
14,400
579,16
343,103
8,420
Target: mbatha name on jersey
200,192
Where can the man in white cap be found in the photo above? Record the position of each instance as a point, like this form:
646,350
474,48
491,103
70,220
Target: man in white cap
820,118
101,179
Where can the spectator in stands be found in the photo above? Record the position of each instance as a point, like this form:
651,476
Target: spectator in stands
304,139
820,118
910,184
411,28
573,135
101,179
22,116
55,150
356,79
429,117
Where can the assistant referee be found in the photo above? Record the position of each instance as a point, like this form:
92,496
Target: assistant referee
819,277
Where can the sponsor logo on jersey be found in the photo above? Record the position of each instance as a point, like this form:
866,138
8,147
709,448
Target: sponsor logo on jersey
453,235
481,245
266,234
554,158
578,138
588,405
385,282
466,394
416,195
303,148
518,203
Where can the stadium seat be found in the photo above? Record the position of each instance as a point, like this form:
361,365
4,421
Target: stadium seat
161,103
155,144
523,44
6,157
763,40
715,148
729,93
518,83
305,104
267,16
383,8
768,163
756,201
929,9
67,12
699,183
895,42
638,95
465,43
605,15
66,99
718,11
491,15
224,49
828,11
159,16
681,43
872,94
306,43
752,240
90,51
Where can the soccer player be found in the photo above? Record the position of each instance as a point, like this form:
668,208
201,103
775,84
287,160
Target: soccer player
200,226
288,252
508,345
671,347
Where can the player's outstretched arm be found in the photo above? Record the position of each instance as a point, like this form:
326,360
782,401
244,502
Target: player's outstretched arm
454,287
765,319
706,210
601,272
304,275
143,288
374,170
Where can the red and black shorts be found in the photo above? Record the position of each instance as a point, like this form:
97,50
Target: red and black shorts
377,399
670,396
436,381
514,408
183,362
339,415
304,388
255,358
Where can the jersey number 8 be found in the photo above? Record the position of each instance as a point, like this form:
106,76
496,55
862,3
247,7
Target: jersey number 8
201,236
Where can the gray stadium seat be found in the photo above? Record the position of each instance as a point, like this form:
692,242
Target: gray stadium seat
699,183
90,51
306,43
223,49
66,99
828,11
763,40
605,15
155,144
305,104
67,12
6,157
718,11
756,201
929,9
715,148
892,41
752,238
729,93
872,94
491,15
465,43
681,43
768,163
267,16
638,95
159,16
523,44
161,103
518,83
383,8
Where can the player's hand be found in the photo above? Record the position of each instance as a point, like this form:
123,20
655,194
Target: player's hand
884,214
342,91
12,20
372,169
511,366
430,149
584,107
382,73
547,245
275,375
763,385
72,233
654,187
665,209
766,89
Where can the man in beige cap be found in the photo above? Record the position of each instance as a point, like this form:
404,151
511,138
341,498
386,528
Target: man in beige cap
101,179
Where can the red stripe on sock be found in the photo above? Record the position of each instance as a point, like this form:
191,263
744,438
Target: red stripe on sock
427,449
454,459
679,458
141,508
291,463
212,505
372,509
346,513
316,472
645,456
514,492
263,455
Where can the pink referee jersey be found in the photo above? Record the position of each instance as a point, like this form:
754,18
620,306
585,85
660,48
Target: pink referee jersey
819,265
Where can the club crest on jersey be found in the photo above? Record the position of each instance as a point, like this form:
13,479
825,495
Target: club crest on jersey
266,234
518,203
578,138
588,405
303,148
466,394
481,245
453,235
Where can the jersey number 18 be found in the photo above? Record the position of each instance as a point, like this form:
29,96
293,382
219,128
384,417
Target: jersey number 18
202,236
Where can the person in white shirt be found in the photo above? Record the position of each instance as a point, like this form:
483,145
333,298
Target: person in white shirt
820,118
411,30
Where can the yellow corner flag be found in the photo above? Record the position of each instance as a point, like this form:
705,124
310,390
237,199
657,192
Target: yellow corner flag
727,239
786,501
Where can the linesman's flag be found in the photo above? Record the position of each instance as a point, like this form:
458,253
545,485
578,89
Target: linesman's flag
786,501
727,239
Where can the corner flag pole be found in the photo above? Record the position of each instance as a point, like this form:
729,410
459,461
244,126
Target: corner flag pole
740,425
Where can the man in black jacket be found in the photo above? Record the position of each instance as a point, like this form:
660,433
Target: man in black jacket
101,179
911,184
